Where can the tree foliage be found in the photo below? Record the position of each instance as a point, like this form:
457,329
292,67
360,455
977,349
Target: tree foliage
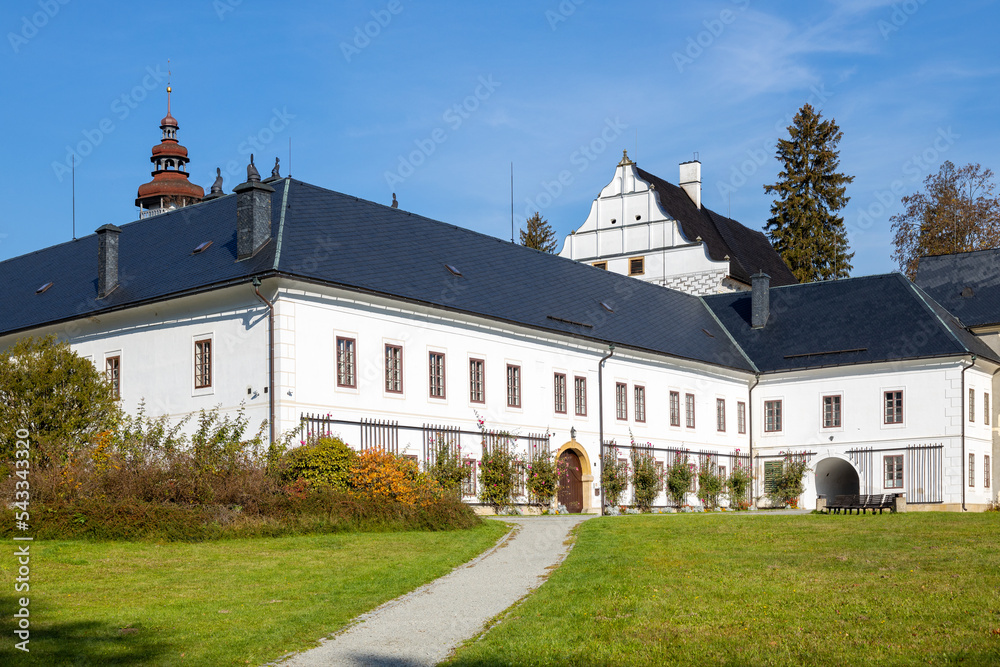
55,395
804,226
956,212
538,234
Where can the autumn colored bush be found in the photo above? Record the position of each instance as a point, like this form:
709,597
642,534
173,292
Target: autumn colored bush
382,475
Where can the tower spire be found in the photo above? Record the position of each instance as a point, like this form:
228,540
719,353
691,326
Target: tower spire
170,187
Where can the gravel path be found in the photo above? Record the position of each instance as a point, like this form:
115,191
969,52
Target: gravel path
422,627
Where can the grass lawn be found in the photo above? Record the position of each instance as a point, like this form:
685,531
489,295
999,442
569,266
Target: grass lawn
230,602
710,589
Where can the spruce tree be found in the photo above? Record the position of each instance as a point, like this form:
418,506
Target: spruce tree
538,234
804,226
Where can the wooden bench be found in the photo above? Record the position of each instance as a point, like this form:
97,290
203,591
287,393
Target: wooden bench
861,504
841,503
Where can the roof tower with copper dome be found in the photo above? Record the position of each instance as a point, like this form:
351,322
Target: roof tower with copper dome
170,187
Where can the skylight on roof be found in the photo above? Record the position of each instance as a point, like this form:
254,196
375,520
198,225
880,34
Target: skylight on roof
453,270
606,307
43,287
202,247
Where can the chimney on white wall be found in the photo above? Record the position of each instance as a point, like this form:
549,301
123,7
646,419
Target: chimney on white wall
691,180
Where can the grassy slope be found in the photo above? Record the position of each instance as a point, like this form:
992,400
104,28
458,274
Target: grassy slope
217,603
764,590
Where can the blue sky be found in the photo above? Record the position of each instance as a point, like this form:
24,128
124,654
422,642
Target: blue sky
434,101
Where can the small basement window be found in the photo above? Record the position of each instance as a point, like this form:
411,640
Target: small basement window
43,288
637,266
202,247
453,270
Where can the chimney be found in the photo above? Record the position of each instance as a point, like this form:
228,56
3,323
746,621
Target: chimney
107,260
691,180
253,214
761,299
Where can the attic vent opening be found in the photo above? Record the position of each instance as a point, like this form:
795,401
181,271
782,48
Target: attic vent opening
44,287
606,307
601,265
637,266
452,270
202,247
613,221
708,333
968,293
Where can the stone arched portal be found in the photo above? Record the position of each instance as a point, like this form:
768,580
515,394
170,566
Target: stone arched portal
586,476
836,477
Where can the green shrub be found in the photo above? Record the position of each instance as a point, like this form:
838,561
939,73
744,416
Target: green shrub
646,481
59,398
324,461
498,471
710,485
788,486
543,473
738,486
678,476
614,476
447,467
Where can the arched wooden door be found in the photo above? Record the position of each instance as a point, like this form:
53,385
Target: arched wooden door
571,482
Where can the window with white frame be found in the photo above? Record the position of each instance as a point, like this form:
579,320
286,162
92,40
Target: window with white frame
831,412
741,417
435,375
772,416
580,387
640,403
203,363
394,369
689,410
675,408
894,406
720,415
513,386
477,381
346,362
972,405
621,400
559,392
113,373
893,471
986,408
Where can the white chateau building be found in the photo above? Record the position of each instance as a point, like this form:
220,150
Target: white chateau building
396,329
647,228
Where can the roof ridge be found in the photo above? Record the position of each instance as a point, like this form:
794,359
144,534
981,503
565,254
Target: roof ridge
729,334
923,300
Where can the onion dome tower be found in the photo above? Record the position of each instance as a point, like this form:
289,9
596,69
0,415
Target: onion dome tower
170,187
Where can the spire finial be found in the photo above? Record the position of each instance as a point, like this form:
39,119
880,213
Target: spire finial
625,160
217,186
168,86
274,172
395,204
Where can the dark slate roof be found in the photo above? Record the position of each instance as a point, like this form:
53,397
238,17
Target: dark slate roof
341,240
749,251
854,321
967,284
